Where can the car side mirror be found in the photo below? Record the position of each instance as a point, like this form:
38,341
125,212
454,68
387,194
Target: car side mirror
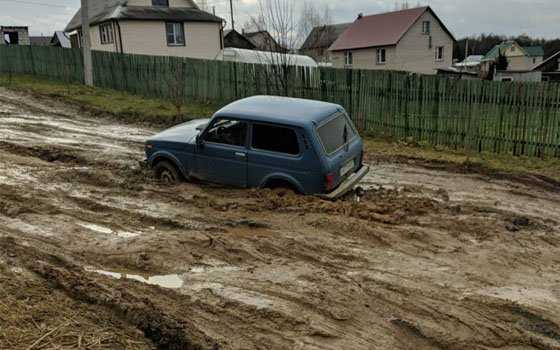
199,141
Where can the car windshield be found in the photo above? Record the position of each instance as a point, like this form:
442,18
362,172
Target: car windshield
336,133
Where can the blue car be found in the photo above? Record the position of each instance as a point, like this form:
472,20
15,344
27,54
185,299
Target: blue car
309,146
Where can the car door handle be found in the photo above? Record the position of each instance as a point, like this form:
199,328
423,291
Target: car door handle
241,154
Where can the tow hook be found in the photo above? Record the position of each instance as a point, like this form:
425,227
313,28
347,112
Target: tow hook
360,192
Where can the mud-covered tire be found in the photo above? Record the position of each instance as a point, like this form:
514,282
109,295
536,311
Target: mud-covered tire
167,173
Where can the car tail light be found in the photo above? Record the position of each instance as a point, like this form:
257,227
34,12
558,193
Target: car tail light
329,181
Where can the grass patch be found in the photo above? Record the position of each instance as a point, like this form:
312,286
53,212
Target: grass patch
383,149
124,106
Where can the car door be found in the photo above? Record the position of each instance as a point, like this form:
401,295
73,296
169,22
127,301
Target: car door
276,151
221,155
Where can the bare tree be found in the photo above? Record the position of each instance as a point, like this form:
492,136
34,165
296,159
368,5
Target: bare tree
312,17
279,19
288,22
402,5
315,25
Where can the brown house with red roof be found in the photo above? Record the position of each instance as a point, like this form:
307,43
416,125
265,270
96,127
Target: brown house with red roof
413,40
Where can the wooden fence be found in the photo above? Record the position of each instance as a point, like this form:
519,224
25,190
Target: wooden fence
515,118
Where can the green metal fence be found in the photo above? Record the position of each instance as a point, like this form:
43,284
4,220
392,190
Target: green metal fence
515,118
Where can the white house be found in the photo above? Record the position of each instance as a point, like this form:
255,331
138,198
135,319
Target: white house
413,40
151,27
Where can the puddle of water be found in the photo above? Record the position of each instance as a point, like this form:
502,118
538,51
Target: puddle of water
16,175
210,269
17,270
97,228
519,294
164,281
108,231
240,295
125,234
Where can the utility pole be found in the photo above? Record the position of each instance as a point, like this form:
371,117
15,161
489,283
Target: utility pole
231,10
86,45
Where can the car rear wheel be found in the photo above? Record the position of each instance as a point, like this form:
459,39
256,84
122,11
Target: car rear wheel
167,173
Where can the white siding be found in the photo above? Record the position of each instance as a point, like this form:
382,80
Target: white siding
96,39
367,59
149,38
414,53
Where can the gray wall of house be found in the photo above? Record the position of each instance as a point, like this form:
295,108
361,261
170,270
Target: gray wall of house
412,53
319,54
202,40
523,62
534,76
23,35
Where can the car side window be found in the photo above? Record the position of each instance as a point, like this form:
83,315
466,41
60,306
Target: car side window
275,139
227,132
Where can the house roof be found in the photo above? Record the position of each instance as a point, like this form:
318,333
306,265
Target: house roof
530,51
281,110
324,36
385,29
534,51
117,9
231,35
544,63
14,28
495,51
263,41
40,40
470,61
62,39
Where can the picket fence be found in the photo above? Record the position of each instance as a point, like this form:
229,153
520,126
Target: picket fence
483,116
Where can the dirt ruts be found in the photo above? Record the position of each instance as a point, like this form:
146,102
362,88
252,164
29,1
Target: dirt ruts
96,254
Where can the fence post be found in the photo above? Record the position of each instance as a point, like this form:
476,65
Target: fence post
349,92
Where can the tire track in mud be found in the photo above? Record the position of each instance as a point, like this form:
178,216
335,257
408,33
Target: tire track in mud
48,154
164,331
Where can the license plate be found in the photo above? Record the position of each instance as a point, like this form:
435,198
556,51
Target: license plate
347,168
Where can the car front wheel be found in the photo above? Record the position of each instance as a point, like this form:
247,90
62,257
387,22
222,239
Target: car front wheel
167,173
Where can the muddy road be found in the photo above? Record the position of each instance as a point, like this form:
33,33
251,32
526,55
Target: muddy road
96,255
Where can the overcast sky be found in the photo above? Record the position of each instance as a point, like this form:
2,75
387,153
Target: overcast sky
539,18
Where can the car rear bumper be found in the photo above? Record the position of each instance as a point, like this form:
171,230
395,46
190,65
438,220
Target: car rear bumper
348,184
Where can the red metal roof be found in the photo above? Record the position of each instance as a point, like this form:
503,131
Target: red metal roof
384,29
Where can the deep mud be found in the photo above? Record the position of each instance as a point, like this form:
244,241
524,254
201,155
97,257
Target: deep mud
95,254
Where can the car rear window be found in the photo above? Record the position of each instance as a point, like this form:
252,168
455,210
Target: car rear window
336,133
275,139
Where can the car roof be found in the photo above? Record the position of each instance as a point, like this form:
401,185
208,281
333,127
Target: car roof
280,110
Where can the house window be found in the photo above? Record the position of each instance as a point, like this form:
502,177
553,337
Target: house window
348,59
381,56
534,60
175,34
439,53
106,33
426,27
164,3
430,42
